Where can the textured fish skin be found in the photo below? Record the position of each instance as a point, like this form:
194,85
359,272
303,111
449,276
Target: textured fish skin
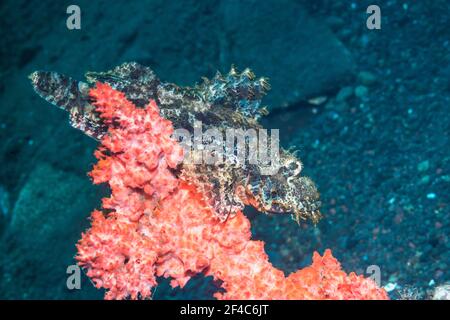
225,101
72,96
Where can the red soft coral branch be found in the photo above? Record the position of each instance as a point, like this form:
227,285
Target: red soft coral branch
159,225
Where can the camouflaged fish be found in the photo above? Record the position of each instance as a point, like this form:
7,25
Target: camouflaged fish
226,101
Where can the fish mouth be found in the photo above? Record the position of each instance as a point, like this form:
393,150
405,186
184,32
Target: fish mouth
306,210
311,212
301,209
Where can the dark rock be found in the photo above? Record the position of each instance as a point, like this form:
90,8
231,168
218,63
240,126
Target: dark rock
183,41
278,39
39,243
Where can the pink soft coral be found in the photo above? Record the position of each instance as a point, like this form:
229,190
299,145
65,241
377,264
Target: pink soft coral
156,224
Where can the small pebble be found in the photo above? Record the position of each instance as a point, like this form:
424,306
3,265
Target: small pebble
425,180
344,94
318,100
423,166
361,91
366,78
431,195
390,287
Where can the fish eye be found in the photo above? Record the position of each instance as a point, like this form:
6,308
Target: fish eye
295,166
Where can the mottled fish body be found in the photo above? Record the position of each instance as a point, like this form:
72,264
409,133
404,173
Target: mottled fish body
225,101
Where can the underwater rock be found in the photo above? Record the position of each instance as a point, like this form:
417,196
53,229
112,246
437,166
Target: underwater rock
361,91
366,78
186,40
344,94
38,244
300,55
